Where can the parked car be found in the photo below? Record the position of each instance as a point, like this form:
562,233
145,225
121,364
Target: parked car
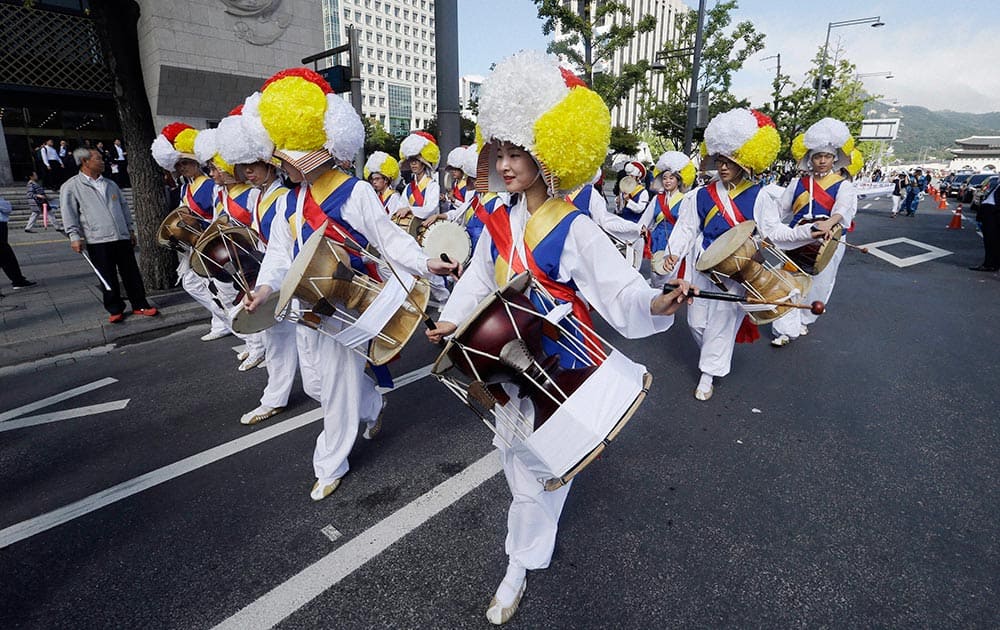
957,182
969,186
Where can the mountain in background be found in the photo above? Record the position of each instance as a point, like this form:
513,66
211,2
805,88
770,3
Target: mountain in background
921,128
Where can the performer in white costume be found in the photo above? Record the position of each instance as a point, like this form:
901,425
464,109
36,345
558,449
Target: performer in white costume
546,133
382,171
676,172
311,127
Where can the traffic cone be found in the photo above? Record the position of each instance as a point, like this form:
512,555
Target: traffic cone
942,204
956,219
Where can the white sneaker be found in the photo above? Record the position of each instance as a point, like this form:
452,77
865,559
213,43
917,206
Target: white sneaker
318,492
243,356
251,362
260,414
803,331
781,340
212,335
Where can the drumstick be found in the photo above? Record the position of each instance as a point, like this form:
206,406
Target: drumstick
816,308
863,250
445,258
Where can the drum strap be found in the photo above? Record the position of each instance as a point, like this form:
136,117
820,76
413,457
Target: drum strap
724,203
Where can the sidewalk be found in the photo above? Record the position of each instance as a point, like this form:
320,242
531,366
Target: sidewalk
64,313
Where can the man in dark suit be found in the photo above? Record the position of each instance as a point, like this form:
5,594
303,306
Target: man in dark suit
987,215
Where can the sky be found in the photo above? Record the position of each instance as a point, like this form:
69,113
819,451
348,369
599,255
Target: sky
941,55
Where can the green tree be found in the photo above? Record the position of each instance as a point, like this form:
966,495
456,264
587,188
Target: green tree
725,49
467,130
592,32
795,111
378,139
623,141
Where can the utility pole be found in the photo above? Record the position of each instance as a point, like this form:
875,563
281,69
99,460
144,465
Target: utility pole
692,111
777,79
353,42
449,111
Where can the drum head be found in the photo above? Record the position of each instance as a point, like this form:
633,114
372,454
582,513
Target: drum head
407,319
303,267
198,264
725,245
827,250
628,185
247,323
448,238
180,225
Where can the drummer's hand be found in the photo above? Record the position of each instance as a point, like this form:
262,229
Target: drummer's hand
822,229
441,330
403,212
670,303
669,262
434,218
439,267
256,297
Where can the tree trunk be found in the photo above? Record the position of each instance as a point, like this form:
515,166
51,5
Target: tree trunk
115,22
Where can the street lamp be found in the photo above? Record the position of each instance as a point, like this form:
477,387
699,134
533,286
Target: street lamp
875,22
885,74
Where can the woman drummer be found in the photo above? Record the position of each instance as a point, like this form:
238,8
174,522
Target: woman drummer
676,172
737,144
810,208
382,171
546,134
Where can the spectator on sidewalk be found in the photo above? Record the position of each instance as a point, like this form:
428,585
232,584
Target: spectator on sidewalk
97,218
120,164
989,218
898,184
8,261
39,200
53,166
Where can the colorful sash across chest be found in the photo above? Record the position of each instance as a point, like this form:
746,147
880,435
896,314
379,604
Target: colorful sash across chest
714,220
633,196
385,196
459,190
266,209
235,201
581,198
323,202
544,240
198,196
823,198
415,191
666,217
481,206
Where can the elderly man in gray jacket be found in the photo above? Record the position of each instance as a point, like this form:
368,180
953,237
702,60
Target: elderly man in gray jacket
96,217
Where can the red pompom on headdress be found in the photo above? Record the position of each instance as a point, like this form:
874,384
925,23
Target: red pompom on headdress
236,111
763,120
171,131
302,73
571,79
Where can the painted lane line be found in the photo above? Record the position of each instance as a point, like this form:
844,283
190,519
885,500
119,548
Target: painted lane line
51,400
275,606
44,522
66,414
930,252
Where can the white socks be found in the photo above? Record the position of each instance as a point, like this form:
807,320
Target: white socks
705,383
510,587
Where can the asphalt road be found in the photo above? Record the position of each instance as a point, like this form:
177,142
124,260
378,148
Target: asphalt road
846,480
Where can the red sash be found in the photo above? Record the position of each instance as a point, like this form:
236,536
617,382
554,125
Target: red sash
416,193
819,195
238,212
503,240
191,203
661,200
714,194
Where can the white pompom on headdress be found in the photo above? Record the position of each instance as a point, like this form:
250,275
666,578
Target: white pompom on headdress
679,164
828,135
382,163
745,136
237,146
422,146
205,145
470,160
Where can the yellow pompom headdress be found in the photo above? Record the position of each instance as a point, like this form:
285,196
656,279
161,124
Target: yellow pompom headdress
174,143
308,124
745,136
857,163
206,148
420,145
828,135
679,164
563,124
382,163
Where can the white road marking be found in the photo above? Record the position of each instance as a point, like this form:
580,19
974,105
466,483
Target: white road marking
65,414
270,609
51,400
44,522
331,532
930,252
